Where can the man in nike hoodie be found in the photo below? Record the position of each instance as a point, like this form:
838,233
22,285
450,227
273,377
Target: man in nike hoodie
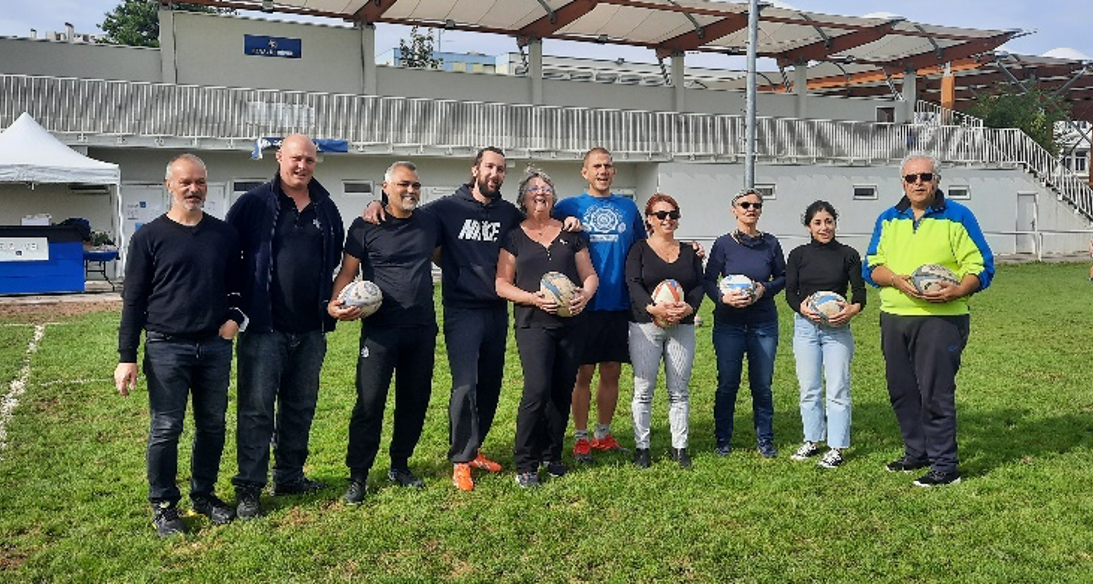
474,222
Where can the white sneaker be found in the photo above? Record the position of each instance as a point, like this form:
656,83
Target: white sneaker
832,459
808,449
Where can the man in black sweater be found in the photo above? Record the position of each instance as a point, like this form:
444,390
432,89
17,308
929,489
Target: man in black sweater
181,286
291,234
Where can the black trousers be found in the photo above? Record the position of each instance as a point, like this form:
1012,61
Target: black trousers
922,357
406,352
476,340
549,360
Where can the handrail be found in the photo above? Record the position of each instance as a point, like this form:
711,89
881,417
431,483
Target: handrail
932,114
126,108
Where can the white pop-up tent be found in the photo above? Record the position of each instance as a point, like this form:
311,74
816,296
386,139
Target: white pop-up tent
30,154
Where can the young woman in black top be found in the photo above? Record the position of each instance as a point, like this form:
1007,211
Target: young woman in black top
547,342
672,337
824,264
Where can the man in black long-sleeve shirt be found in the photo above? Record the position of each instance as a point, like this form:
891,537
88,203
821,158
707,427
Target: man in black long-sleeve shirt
182,287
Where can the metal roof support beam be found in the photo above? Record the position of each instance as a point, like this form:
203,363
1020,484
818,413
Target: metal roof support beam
373,10
692,40
821,50
948,54
555,20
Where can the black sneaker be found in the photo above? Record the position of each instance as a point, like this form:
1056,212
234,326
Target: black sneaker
906,465
355,494
166,521
404,478
556,469
680,456
724,450
641,458
213,507
767,449
300,486
806,450
527,479
249,504
934,478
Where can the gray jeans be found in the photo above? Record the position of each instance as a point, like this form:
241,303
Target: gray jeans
650,344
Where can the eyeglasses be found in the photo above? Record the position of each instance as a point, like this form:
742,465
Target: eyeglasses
662,215
914,177
749,205
543,190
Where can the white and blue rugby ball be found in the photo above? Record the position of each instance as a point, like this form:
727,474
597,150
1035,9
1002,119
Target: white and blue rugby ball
826,303
928,277
737,283
364,294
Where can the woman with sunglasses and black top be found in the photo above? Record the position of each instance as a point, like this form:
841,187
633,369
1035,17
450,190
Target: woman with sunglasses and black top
745,324
823,350
650,262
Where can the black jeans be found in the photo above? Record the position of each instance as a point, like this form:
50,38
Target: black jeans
549,360
921,358
476,340
176,368
277,372
406,352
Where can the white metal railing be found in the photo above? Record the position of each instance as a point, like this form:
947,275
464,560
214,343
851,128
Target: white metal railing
97,107
935,115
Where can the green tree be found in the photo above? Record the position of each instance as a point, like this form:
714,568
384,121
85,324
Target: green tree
419,53
136,22
1033,111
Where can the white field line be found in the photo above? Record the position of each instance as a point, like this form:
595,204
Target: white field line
17,387
74,381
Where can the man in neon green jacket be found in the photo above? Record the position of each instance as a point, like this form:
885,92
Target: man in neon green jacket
924,334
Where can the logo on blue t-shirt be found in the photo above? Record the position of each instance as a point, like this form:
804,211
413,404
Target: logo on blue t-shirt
604,223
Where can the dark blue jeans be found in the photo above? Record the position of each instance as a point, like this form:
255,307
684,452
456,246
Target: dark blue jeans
278,388
476,340
175,369
731,342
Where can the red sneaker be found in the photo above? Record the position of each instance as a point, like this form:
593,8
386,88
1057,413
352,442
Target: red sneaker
582,451
608,443
481,462
461,477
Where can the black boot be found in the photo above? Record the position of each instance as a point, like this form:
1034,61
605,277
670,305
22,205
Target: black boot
680,456
641,458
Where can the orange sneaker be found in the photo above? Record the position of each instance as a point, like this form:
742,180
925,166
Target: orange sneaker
461,477
607,443
481,462
582,451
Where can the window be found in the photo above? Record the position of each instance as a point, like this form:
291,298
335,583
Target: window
357,187
958,192
886,114
865,192
766,190
241,186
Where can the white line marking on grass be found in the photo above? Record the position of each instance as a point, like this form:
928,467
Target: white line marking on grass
75,381
17,387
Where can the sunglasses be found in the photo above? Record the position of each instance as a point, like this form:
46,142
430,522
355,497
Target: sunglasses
750,205
913,177
662,215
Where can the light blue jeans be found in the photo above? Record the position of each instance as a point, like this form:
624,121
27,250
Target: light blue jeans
823,355
675,346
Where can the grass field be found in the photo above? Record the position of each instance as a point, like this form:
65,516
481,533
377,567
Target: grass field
72,487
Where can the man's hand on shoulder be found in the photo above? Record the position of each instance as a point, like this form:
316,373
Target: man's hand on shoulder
373,213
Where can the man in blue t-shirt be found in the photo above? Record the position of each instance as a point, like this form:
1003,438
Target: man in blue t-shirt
613,223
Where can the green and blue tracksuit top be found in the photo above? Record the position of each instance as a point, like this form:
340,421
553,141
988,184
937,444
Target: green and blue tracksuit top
947,234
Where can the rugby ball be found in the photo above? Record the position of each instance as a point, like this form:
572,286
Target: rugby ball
668,291
737,283
364,294
558,288
826,303
928,277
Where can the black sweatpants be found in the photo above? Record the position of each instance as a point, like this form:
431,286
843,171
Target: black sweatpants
476,340
549,360
406,352
922,357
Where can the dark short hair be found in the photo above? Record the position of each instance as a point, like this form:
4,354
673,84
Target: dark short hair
482,153
816,207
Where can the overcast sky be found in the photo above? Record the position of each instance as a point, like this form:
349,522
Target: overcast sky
1057,23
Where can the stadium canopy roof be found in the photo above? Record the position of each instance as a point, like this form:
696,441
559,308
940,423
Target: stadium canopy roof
670,26
847,55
